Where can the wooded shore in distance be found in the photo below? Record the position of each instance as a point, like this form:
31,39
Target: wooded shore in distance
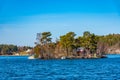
88,45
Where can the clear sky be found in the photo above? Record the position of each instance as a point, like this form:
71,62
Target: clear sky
20,20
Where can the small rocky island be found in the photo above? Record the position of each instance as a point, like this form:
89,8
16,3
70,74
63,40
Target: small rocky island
69,46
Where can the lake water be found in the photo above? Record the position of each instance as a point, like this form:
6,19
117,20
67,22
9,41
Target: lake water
20,68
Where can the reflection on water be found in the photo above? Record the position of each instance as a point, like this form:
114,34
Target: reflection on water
20,68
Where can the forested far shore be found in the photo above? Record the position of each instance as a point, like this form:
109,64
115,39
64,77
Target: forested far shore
9,49
88,45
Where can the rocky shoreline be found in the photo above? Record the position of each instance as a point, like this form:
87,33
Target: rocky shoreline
113,50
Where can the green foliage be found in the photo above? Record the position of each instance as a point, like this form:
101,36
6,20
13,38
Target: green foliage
45,47
37,51
86,34
88,41
46,37
66,44
105,42
67,41
8,49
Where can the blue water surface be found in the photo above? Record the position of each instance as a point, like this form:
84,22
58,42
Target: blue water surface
21,68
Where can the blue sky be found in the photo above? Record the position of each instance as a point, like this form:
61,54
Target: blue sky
20,20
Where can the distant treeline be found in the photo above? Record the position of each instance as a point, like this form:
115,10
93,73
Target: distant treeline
11,49
68,44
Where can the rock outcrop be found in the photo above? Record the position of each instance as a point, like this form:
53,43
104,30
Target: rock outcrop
114,49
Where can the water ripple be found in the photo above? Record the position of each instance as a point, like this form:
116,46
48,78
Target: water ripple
79,69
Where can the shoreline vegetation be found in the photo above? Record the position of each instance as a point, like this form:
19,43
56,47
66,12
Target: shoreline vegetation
67,46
